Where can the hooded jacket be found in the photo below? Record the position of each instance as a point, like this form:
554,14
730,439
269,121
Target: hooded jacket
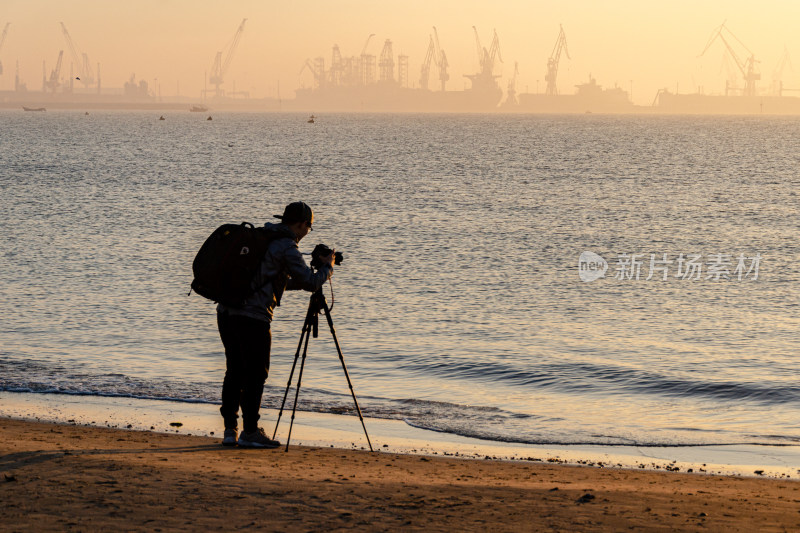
282,267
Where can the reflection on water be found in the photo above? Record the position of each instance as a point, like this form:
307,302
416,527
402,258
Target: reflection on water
459,305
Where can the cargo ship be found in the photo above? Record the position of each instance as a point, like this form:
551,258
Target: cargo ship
589,97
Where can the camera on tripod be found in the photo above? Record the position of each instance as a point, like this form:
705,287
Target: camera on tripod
321,251
316,305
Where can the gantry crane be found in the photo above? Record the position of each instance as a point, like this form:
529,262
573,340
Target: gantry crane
777,74
480,49
441,60
344,71
402,70
436,55
81,60
485,79
366,64
746,67
386,63
318,71
220,67
511,94
426,64
364,49
336,73
486,59
2,40
55,75
553,61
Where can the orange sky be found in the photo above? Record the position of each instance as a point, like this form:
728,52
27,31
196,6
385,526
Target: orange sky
172,43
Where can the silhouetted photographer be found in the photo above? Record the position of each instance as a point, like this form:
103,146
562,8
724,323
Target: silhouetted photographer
244,326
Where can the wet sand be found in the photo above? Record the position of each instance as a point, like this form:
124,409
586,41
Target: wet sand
345,432
65,477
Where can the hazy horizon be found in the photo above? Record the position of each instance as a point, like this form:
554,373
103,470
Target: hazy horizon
172,44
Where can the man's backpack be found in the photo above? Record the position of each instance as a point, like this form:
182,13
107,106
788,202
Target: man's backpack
229,259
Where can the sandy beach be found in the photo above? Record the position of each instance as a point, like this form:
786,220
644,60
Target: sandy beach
64,477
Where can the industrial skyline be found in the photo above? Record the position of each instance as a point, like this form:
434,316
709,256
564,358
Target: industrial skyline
174,47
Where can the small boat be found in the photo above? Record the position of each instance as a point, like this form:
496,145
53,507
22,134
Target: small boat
209,117
161,118
34,108
311,119
198,109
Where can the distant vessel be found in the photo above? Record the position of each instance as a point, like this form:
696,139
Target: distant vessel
311,119
736,99
589,98
198,109
34,108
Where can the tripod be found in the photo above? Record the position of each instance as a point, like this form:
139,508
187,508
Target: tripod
310,326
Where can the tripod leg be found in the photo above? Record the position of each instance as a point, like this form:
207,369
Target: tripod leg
344,367
299,380
306,331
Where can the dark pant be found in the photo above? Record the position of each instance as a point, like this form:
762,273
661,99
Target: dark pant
247,343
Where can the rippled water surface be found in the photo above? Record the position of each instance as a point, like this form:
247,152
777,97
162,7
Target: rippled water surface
459,305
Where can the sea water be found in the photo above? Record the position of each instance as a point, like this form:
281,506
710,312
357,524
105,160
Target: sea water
462,305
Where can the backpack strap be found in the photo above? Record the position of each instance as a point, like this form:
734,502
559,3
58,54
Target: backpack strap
275,232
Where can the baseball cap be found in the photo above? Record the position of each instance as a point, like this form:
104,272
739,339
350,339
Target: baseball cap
296,212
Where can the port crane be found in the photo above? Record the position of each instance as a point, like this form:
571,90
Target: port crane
485,79
747,67
366,64
386,63
511,98
553,61
81,60
55,75
436,55
317,70
487,58
2,40
441,60
344,71
220,67
426,64
777,74
336,72
366,44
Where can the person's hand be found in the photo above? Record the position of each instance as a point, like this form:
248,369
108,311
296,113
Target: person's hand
328,259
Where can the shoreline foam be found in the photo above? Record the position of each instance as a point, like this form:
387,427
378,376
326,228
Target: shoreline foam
345,432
